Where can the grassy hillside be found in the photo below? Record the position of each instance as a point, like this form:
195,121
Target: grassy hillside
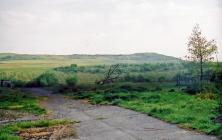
96,59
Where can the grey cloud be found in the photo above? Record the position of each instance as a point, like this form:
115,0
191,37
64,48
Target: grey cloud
105,26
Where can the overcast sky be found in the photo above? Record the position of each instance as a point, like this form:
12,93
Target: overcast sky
106,26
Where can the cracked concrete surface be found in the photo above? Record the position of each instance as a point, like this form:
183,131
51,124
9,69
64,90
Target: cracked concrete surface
113,123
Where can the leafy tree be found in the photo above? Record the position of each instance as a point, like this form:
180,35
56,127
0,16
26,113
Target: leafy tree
200,49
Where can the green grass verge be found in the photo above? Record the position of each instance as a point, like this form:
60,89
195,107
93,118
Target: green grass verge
7,132
174,107
16,100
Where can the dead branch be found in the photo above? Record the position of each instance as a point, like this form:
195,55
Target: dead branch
112,75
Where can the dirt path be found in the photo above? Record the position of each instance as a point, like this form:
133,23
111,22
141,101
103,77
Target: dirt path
113,123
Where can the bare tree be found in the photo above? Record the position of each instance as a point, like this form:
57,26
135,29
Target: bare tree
200,49
112,75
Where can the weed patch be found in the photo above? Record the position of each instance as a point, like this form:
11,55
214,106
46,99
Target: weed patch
35,129
18,101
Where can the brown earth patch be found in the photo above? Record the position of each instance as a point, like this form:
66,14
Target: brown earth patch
42,100
84,101
48,133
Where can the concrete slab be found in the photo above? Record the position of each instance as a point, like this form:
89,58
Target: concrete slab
114,123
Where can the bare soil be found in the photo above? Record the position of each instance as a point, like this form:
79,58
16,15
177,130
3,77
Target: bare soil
47,133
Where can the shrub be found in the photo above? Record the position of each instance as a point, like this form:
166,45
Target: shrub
47,79
71,81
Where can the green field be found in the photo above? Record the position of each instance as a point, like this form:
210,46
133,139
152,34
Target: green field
28,67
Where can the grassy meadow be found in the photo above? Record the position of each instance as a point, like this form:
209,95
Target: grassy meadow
27,70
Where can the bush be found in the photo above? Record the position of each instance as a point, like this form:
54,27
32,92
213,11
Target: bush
47,79
71,82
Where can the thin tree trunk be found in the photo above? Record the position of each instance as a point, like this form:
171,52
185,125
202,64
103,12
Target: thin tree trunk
201,74
201,70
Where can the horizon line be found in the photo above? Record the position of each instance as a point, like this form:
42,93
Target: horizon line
86,53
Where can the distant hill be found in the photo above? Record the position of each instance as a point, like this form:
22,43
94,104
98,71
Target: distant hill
130,58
